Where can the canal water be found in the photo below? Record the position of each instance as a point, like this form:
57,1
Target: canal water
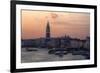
41,55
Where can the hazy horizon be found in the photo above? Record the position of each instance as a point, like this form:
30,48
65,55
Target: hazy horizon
71,24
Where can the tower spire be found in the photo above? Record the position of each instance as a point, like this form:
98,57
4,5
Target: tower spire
48,30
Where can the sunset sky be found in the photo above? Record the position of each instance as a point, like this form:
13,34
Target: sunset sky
76,25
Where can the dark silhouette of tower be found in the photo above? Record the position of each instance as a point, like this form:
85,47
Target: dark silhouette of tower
48,30
47,40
